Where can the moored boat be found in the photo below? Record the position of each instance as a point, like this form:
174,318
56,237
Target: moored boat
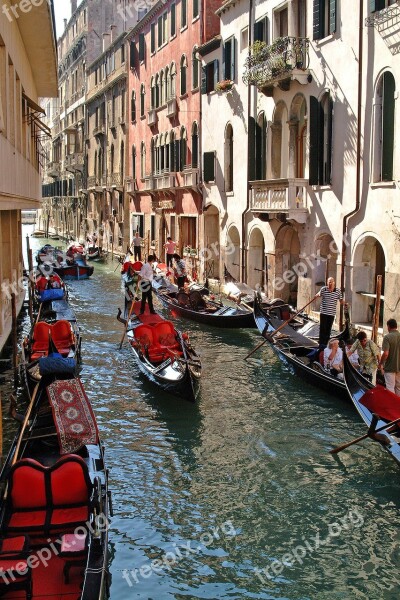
164,355
201,307
298,351
54,500
369,400
96,254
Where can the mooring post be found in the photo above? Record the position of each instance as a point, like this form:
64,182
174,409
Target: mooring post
14,338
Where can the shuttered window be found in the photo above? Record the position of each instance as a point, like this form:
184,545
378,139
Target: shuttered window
387,126
229,66
261,30
320,161
375,5
209,166
133,107
173,20
209,77
152,38
142,47
183,13
324,18
132,52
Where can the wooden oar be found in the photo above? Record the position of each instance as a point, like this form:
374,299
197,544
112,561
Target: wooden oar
24,424
127,323
268,339
365,436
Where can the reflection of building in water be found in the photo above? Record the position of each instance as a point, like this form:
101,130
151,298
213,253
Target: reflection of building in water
27,71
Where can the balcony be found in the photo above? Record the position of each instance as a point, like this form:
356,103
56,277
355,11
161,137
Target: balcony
99,130
284,60
93,182
287,197
152,118
165,181
172,108
53,169
190,178
115,180
74,161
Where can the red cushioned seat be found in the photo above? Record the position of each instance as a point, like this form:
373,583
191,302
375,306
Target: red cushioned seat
165,335
47,499
41,334
62,336
15,572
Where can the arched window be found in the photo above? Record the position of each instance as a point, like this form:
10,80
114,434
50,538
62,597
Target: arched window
183,74
167,84
261,147
122,161
195,146
133,162
183,150
153,156
133,107
100,164
95,164
162,89
152,93
383,131
142,95
195,69
228,165
112,159
142,160
173,80
157,91
161,158
166,152
172,164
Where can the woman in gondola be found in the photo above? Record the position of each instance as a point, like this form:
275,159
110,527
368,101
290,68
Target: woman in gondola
333,358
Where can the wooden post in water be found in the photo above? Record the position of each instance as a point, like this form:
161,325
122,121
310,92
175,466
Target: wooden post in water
14,336
1,432
30,278
377,310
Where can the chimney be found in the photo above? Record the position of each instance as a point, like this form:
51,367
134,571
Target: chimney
74,4
113,30
106,41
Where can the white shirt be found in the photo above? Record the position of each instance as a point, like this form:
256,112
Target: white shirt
146,272
337,359
137,241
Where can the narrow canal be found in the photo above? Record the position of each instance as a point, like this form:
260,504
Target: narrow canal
237,496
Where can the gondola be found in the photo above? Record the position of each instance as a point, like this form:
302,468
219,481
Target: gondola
55,330
68,267
54,500
96,254
164,355
197,306
295,349
369,400
74,271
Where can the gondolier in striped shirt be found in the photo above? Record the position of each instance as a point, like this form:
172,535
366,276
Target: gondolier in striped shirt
330,295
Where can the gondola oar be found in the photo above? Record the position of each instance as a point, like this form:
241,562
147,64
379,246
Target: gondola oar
370,433
268,336
127,323
24,424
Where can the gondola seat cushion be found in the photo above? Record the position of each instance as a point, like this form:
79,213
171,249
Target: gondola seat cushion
48,499
165,335
41,334
145,336
15,572
62,336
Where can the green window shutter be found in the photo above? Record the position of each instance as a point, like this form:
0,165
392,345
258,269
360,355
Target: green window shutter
332,16
216,73
195,151
252,149
172,156
329,142
195,8
387,126
209,166
318,19
259,31
177,155
132,53
375,5
173,20
183,13
133,107
153,37
233,59
204,80
160,25
314,141
142,47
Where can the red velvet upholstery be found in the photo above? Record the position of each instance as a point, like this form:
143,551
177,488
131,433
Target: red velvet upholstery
41,334
15,573
158,341
144,335
62,336
46,499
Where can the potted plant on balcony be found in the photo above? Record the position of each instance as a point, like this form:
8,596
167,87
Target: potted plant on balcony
224,86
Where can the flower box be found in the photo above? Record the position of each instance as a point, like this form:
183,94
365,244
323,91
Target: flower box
224,86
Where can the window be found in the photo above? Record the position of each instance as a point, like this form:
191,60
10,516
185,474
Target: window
229,59
183,13
172,151
162,89
324,18
183,150
132,52
122,160
376,5
320,170
152,93
112,159
122,54
157,91
153,38
160,31
133,162
183,74
142,47
209,166
123,106
195,69
260,147
261,30
195,146
228,164
133,107
142,160
195,8
383,129
142,96
173,20
209,77
173,80
167,84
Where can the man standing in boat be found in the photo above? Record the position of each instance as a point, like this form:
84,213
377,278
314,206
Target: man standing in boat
145,280
330,295
389,363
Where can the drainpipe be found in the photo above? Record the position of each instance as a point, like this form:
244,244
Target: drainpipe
244,213
348,216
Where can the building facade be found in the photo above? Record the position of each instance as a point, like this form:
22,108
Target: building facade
164,124
301,164
28,69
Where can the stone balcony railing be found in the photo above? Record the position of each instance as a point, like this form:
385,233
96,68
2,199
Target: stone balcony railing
148,182
152,117
190,178
115,179
74,160
285,59
164,182
275,197
172,108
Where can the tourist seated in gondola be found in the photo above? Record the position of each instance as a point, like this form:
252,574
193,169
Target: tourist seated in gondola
333,358
352,356
369,355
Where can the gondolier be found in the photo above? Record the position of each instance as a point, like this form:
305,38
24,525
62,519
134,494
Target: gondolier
145,279
137,246
329,295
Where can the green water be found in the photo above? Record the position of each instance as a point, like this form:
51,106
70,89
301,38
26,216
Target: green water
237,496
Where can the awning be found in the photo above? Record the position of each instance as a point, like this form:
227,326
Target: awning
35,107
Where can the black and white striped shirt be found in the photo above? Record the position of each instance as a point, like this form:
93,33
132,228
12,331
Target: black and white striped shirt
329,300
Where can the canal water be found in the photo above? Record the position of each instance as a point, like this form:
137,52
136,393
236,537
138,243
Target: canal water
236,496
